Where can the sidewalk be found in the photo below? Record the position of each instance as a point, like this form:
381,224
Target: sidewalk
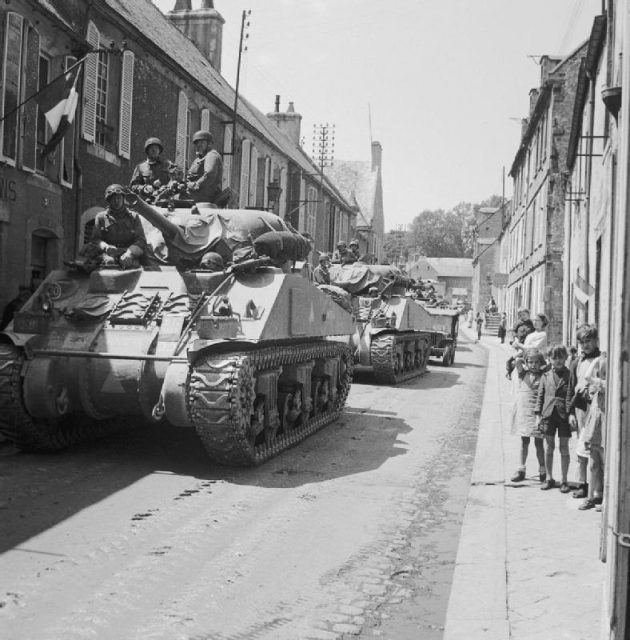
528,564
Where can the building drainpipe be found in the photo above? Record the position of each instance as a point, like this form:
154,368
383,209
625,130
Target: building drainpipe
616,624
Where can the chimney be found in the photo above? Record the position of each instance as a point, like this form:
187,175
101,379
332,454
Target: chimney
377,153
289,122
547,64
204,26
524,125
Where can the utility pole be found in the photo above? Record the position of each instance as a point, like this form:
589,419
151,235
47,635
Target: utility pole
241,48
323,154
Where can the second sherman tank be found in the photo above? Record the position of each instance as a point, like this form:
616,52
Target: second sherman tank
250,355
389,337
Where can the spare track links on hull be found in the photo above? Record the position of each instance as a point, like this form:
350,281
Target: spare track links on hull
249,406
394,361
40,435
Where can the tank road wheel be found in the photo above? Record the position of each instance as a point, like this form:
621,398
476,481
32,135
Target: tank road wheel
290,407
321,396
230,395
31,434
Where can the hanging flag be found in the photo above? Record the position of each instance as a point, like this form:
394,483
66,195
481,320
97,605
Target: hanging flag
58,101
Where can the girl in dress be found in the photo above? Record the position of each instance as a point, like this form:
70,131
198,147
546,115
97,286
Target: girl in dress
530,366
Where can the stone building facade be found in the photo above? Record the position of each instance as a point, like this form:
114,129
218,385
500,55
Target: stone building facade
535,225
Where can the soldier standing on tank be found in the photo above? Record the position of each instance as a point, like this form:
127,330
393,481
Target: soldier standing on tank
340,256
152,173
354,253
321,273
118,237
205,175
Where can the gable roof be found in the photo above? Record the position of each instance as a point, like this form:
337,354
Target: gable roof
452,267
357,181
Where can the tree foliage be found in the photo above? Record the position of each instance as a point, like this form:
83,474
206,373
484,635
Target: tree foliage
438,233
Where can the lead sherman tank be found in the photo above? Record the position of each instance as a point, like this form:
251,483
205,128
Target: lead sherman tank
390,336
244,356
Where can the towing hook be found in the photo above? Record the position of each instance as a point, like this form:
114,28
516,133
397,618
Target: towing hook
159,410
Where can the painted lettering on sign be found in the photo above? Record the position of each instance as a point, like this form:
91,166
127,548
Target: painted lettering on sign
7,189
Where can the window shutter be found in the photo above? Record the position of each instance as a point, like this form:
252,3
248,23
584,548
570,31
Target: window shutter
253,177
180,140
88,124
266,181
29,120
227,157
302,205
205,119
282,211
126,104
244,187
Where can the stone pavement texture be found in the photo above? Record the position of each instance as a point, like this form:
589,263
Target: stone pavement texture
528,564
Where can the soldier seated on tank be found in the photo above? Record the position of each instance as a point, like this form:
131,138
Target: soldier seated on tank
153,173
340,256
118,238
321,273
353,252
212,261
205,176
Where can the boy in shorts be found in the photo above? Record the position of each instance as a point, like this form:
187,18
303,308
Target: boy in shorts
552,415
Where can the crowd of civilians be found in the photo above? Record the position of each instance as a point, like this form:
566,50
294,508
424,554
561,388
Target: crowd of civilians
558,392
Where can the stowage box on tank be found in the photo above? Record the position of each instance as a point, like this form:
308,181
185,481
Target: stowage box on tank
254,358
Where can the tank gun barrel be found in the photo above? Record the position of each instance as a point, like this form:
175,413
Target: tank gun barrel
151,214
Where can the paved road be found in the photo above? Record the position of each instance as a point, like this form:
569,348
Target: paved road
351,533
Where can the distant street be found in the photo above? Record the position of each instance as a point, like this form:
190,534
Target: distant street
353,533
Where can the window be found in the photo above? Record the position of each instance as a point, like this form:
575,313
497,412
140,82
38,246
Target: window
12,84
42,126
39,256
102,74
205,120
253,177
66,147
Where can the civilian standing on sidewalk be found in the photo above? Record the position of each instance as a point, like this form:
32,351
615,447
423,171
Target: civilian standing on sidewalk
502,327
552,412
524,419
537,339
594,435
579,398
479,322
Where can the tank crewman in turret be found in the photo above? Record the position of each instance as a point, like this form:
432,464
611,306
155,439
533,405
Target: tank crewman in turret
354,253
205,175
341,253
152,173
118,237
321,273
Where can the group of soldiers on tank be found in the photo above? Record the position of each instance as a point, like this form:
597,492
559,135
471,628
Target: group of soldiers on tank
118,238
344,254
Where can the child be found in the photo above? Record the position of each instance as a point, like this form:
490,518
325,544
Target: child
552,415
521,333
578,396
536,339
593,434
525,422
522,316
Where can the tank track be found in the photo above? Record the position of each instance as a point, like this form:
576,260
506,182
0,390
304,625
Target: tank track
221,396
383,358
30,434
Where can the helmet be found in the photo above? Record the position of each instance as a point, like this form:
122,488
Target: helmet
354,243
324,257
202,135
212,260
341,243
151,141
114,189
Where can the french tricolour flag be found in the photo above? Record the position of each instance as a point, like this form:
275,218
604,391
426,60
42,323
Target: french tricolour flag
58,101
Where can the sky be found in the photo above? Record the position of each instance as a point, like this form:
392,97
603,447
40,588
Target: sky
441,84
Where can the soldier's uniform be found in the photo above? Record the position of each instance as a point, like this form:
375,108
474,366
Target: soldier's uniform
206,176
150,171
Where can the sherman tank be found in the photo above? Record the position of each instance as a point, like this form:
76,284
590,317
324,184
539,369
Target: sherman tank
390,337
253,357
